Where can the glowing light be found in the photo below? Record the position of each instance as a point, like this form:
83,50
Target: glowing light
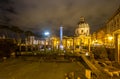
61,47
110,37
46,33
68,42
86,54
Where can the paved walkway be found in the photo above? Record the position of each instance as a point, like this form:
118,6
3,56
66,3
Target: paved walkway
20,69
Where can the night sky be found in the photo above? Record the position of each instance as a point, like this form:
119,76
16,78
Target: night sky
41,15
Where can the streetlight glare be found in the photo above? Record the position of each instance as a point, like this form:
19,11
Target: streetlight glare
110,38
46,33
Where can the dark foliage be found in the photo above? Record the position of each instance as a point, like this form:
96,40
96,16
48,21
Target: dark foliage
100,52
29,33
111,53
7,46
16,29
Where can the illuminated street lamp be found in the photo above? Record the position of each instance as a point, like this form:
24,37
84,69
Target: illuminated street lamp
47,39
46,33
110,38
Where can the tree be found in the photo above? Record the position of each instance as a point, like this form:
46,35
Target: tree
29,33
18,32
3,30
7,46
100,53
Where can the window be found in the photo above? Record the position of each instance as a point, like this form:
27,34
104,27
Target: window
82,31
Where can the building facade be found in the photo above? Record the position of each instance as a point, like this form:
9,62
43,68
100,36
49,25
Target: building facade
82,33
74,43
109,34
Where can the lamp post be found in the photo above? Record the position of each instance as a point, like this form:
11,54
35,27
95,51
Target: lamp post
47,35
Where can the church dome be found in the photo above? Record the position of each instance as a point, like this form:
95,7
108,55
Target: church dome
83,27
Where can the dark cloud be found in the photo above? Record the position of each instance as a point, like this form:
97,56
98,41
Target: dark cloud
39,15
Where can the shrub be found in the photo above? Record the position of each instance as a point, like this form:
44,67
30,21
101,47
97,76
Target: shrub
100,52
7,46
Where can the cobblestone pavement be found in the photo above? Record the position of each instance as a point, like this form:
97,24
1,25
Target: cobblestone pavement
28,69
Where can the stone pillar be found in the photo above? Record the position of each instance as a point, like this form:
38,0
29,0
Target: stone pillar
89,43
66,44
61,38
73,45
117,48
